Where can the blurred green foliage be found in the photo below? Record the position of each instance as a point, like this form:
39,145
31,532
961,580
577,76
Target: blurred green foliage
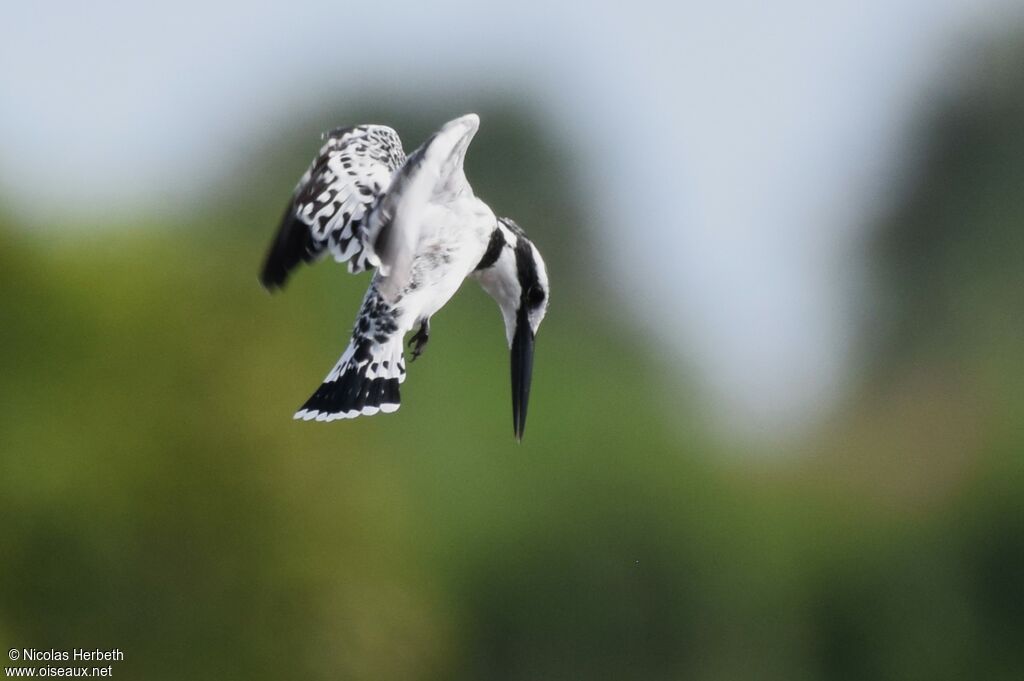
155,495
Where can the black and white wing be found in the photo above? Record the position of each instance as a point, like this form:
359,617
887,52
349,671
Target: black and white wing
329,209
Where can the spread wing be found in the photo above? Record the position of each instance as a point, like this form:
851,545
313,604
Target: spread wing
432,174
330,206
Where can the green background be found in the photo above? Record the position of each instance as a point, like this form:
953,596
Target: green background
155,495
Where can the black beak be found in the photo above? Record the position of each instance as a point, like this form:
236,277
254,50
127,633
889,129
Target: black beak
522,372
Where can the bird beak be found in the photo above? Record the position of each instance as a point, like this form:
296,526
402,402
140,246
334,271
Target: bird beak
522,372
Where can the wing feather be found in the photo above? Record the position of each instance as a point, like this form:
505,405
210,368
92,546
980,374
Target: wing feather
432,172
330,204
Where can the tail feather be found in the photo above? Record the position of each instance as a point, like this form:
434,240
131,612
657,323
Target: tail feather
363,382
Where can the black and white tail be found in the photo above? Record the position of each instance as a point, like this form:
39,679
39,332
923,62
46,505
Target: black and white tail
363,382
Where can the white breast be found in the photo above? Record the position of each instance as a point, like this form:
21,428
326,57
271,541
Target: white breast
453,238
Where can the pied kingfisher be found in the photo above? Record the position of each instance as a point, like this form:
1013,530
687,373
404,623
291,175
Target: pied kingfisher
418,223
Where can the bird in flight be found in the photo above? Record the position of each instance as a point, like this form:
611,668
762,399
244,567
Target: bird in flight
416,221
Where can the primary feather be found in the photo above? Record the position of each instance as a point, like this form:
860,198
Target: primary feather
331,203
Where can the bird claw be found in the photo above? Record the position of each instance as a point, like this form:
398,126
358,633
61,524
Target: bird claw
420,339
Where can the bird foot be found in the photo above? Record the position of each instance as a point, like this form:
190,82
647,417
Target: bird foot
419,339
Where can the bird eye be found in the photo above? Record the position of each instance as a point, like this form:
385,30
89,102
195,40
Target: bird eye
535,296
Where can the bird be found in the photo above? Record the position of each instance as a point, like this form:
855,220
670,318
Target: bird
416,222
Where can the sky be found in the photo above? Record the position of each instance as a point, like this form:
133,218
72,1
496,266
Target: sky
746,146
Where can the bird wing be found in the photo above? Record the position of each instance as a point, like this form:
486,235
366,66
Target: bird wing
329,208
432,173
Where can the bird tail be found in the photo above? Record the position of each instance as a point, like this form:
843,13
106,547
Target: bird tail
363,382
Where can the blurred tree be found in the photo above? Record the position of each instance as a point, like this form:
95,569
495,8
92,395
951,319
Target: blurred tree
949,254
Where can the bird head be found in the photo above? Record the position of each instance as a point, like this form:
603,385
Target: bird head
514,274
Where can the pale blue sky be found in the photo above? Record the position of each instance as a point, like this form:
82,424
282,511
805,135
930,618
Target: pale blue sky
746,144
